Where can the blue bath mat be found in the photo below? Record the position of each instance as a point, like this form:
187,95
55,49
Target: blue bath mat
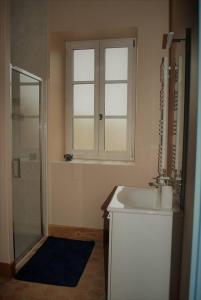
59,261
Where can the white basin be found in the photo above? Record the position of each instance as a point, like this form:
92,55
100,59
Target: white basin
135,199
143,198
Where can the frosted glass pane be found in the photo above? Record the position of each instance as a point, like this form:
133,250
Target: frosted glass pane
29,100
84,65
116,63
29,135
83,134
83,99
116,99
26,79
25,146
115,134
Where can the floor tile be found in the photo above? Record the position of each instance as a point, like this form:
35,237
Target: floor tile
90,287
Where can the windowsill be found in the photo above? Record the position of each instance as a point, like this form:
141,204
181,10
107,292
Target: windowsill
96,162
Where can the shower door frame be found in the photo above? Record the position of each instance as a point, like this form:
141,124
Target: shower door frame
43,158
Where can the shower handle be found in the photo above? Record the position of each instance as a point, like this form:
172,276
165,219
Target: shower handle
16,168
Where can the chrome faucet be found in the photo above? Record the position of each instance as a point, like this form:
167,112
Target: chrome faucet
154,184
161,181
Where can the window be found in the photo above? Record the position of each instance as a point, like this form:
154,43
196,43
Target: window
100,99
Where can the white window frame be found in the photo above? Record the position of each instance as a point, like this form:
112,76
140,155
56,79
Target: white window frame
99,99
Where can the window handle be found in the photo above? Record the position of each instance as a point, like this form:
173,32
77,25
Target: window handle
100,116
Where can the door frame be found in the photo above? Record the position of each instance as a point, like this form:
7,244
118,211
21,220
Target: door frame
195,273
42,151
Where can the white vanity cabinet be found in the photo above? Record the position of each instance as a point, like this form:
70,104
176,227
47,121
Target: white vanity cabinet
140,246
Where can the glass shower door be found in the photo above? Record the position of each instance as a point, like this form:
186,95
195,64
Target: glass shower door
26,161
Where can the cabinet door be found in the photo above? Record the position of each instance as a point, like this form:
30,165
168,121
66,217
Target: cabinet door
110,217
140,256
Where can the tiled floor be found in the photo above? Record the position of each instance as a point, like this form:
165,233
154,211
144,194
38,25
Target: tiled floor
90,287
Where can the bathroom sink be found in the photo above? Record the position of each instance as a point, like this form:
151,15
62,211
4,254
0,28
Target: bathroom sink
134,199
140,242
143,198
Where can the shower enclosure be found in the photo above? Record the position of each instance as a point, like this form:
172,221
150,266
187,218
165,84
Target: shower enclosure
26,161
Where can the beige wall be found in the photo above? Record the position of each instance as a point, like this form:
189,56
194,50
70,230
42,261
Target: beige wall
29,45
6,249
77,191
56,97
23,26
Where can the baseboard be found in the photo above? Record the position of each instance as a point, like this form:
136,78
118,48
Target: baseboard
77,233
7,270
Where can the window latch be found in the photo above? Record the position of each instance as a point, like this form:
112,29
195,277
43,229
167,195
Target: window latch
100,116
